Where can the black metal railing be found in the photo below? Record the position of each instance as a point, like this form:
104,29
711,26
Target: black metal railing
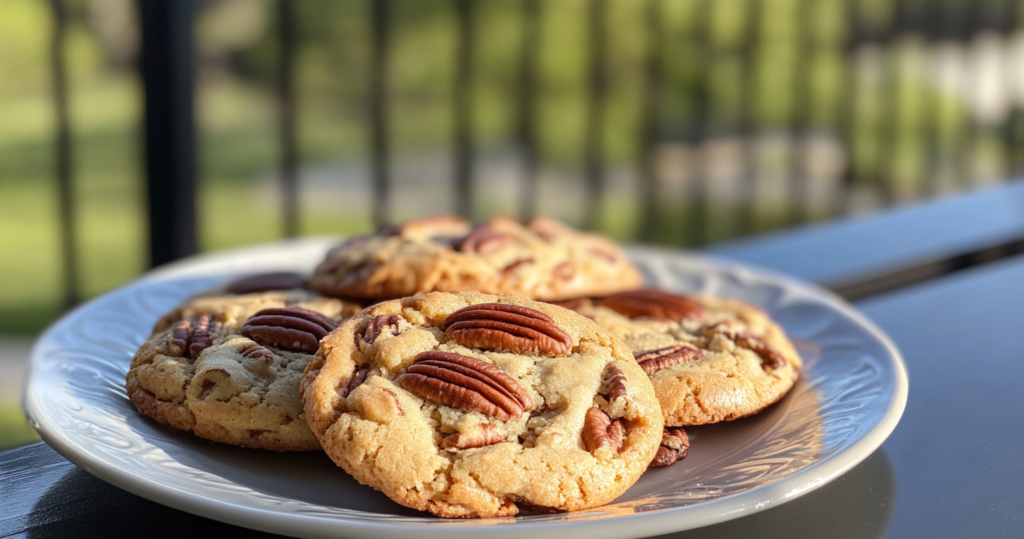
167,71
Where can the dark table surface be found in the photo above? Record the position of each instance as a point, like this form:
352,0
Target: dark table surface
954,466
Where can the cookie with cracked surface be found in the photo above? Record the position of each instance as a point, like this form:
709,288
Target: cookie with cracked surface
471,405
543,260
228,367
709,359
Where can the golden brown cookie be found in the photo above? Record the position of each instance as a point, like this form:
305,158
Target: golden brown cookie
709,359
238,300
543,260
471,405
227,367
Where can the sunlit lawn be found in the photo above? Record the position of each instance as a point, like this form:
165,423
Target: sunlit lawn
14,430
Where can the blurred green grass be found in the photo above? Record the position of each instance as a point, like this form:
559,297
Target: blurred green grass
14,430
237,123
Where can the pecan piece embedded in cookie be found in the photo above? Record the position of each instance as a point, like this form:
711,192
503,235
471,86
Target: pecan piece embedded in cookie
655,360
428,227
256,350
655,304
500,326
191,336
488,434
484,241
357,380
380,324
466,382
291,328
616,383
770,357
599,430
675,445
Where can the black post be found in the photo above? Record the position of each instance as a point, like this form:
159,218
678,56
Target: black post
593,146
746,207
939,30
378,110
167,75
697,211
849,102
286,117
798,208
649,118
529,52
888,133
463,107
62,150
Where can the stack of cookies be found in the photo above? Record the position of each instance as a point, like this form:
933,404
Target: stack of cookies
497,369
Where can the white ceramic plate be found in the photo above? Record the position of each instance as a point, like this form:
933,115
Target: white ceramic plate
849,399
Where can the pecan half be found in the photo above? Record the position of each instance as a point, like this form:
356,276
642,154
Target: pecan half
380,323
770,357
655,304
466,382
654,360
283,280
675,445
291,328
484,240
191,336
616,383
599,430
501,326
489,434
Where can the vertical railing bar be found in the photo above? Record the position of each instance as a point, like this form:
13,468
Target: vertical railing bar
892,86
745,120
593,154
698,192
168,82
287,136
462,106
848,105
526,129
938,19
968,134
378,102
62,143
650,128
798,202
1010,129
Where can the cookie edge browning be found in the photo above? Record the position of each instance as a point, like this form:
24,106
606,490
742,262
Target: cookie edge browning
179,417
677,415
338,359
441,269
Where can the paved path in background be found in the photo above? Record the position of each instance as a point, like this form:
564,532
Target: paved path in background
13,361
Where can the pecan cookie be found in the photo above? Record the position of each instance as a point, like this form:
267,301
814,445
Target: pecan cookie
543,260
227,367
238,300
471,405
709,359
